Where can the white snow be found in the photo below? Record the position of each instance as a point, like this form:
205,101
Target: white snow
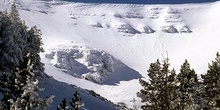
84,62
132,34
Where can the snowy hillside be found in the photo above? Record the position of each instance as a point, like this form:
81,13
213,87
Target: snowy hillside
113,44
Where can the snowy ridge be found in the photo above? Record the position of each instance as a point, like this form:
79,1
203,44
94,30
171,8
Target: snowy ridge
121,21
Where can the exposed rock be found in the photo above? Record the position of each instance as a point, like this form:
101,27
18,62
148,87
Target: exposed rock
169,29
146,29
97,24
126,28
117,15
184,29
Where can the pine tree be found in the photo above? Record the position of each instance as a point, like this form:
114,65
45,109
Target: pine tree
135,107
14,15
10,52
34,47
29,99
187,82
11,83
160,92
211,82
20,91
17,41
75,103
20,63
62,105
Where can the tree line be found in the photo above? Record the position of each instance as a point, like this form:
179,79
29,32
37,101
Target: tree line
168,90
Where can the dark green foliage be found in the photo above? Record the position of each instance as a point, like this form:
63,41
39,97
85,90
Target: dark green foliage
211,82
19,89
11,83
20,63
168,91
187,82
10,52
75,103
14,15
34,43
62,105
16,41
160,92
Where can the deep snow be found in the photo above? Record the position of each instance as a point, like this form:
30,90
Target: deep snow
135,35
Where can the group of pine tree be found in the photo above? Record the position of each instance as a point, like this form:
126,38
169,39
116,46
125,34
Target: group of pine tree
167,90
20,66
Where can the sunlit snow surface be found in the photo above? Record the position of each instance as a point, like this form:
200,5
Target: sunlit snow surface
135,35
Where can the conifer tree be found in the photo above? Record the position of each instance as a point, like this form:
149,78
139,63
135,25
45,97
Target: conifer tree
75,103
62,105
211,82
187,82
20,91
14,15
10,51
17,41
34,47
20,63
160,92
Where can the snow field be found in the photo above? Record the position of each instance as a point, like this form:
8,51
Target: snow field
135,35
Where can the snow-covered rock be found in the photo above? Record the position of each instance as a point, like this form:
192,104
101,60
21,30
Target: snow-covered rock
133,15
84,62
169,29
126,28
97,24
170,10
146,29
184,29
116,15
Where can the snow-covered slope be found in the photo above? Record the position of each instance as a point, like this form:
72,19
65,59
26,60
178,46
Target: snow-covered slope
134,35
62,90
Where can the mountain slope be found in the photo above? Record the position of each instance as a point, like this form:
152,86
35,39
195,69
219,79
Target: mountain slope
136,35
62,90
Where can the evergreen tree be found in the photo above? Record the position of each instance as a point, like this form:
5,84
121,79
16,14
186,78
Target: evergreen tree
211,82
75,103
10,51
187,82
17,41
20,64
14,15
62,105
34,47
160,92
20,91
11,83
